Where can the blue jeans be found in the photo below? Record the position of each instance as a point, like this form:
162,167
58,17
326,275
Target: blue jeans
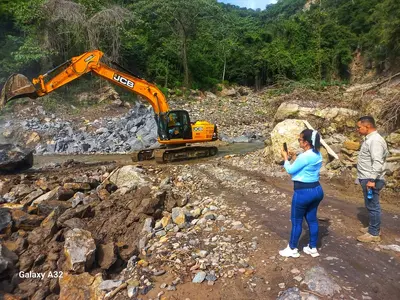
305,204
373,206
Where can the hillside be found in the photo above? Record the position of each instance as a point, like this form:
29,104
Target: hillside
207,227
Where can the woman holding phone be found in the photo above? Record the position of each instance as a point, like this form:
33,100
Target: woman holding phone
307,194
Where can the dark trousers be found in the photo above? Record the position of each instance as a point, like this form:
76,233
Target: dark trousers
305,205
373,206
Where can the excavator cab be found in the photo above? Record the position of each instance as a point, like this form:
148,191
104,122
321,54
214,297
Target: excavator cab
174,125
178,126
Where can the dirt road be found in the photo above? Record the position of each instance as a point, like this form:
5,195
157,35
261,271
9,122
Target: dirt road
363,271
247,191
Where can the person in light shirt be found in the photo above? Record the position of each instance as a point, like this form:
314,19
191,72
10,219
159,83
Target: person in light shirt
308,192
371,167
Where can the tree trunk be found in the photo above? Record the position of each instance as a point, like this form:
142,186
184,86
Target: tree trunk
257,82
223,72
166,77
185,64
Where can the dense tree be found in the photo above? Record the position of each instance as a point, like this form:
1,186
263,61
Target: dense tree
199,43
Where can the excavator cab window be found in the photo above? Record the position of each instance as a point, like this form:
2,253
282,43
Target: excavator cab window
179,125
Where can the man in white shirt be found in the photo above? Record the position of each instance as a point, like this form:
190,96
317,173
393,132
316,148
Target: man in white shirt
370,172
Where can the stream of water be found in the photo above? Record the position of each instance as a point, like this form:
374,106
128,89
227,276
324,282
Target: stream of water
43,160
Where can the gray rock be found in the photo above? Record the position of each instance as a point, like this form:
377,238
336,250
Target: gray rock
5,219
171,287
133,291
7,259
199,278
31,197
210,216
159,273
129,176
74,223
211,277
290,294
77,198
79,249
107,285
161,233
237,225
15,158
319,281
178,215
148,225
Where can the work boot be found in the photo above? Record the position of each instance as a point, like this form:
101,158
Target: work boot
368,238
365,230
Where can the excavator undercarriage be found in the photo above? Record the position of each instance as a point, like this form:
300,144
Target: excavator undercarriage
170,154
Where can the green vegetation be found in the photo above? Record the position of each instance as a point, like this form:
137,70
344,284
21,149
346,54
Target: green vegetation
200,43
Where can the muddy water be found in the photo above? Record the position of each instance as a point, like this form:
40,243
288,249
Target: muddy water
230,149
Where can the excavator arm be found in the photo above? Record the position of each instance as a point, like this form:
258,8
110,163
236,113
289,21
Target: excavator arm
85,63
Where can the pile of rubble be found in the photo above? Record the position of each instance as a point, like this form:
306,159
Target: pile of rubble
48,134
114,230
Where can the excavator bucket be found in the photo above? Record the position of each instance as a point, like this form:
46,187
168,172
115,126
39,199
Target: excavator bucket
16,86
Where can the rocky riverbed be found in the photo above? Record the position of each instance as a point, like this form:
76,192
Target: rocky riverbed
165,232
207,229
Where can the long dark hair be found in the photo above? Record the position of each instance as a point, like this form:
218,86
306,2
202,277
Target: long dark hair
307,136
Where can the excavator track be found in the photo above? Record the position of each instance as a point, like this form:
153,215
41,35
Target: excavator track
184,153
142,155
165,155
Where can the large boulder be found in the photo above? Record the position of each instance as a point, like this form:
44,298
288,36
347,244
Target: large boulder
338,118
227,91
105,94
287,131
393,139
129,177
374,107
14,158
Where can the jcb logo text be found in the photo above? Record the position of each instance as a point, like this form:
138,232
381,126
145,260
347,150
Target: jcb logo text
123,80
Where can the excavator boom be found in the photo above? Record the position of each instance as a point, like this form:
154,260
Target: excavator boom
174,127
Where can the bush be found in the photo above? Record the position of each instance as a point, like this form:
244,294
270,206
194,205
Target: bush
50,104
164,90
178,92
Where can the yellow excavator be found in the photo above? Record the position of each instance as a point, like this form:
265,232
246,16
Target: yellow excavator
176,133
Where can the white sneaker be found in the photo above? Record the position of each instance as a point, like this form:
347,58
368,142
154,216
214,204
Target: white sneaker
288,252
311,251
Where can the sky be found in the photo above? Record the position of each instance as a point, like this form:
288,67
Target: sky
254,4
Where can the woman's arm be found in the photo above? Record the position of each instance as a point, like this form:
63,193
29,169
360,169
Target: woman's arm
298,164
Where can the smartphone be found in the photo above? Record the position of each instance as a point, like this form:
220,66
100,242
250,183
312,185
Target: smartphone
285,147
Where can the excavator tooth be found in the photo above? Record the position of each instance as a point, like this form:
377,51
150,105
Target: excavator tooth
16,86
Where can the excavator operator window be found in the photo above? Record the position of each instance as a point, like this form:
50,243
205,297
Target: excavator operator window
178,125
